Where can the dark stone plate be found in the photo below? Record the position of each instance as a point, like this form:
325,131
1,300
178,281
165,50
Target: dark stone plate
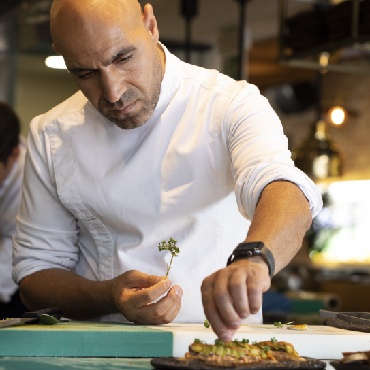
338,365
167,363
360,324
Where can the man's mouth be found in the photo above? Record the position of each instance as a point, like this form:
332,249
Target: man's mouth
124,109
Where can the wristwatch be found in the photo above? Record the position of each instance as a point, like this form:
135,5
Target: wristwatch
250,249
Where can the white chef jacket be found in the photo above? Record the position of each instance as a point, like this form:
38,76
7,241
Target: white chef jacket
98,199
10,200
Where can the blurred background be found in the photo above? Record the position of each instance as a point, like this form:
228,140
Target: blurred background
311,59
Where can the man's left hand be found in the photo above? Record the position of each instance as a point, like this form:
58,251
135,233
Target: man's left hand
233,293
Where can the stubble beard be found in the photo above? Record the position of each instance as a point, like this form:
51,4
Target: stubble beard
132,121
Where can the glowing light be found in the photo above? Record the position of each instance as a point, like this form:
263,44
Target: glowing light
337,115
345,225
56,62
324,59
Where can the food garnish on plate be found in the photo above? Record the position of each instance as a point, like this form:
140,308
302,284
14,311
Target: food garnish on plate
353,360
363,357
241,351
239,354
298,327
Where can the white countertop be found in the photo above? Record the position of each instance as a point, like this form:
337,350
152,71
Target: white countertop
321,342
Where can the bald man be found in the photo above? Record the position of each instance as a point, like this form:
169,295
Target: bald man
152,148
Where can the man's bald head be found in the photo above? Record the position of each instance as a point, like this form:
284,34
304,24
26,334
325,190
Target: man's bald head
112,52
70,19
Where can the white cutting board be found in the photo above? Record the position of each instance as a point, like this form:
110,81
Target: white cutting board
321,342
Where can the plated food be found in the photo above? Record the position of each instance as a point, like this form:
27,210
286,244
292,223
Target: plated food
239,354
353,361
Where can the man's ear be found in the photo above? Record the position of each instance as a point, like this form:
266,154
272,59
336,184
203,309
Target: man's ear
150,22
15,152
13,155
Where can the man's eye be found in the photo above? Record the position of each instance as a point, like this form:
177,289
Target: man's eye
85,75
124,59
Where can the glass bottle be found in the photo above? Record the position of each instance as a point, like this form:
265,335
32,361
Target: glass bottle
318,156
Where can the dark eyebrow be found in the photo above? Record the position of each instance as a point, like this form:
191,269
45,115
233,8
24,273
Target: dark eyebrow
77,70
120,54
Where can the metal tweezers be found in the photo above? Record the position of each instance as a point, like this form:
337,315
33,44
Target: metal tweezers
359,321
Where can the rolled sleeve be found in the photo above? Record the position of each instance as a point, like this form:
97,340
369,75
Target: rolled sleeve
259,152
41,241
249,190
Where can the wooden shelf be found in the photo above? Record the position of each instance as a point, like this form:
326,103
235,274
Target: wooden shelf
331,29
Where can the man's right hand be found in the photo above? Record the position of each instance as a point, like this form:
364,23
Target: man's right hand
141,298
146,299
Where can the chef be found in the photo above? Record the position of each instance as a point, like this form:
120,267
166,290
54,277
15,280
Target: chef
12,152
151,148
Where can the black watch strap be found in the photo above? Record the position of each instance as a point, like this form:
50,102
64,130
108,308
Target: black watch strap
250,249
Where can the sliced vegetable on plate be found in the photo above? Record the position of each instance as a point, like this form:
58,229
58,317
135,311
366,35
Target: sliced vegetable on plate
239,354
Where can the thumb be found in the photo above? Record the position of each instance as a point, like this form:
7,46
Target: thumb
154,279
139,279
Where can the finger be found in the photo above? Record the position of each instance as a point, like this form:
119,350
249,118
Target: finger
142,297
221,330
255,297
223,300
239,293
139,279
257,283
166,309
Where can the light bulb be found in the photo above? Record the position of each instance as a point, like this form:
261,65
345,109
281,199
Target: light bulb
337,115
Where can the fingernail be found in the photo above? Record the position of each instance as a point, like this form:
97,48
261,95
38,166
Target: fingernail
168,282
235,324
226,336
244,315
178,291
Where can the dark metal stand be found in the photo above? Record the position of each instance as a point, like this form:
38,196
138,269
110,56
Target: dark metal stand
319,95
242,55
189,9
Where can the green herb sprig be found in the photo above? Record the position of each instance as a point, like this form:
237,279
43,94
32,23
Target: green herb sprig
172,248
280,325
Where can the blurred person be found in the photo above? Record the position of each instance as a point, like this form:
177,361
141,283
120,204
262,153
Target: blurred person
12,153
153,148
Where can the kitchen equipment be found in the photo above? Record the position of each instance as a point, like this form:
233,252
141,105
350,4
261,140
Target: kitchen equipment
359,321
47,316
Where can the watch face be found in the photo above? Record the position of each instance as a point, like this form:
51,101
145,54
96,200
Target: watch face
250,246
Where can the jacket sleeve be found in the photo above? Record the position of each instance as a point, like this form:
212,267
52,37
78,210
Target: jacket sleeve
42,241
259,151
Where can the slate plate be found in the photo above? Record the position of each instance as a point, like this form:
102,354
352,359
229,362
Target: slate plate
167,363
338,365
345,324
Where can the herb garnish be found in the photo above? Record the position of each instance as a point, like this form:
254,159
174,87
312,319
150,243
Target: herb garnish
279,325
171,247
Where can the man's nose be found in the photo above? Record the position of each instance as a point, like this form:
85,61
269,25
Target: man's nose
113,86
